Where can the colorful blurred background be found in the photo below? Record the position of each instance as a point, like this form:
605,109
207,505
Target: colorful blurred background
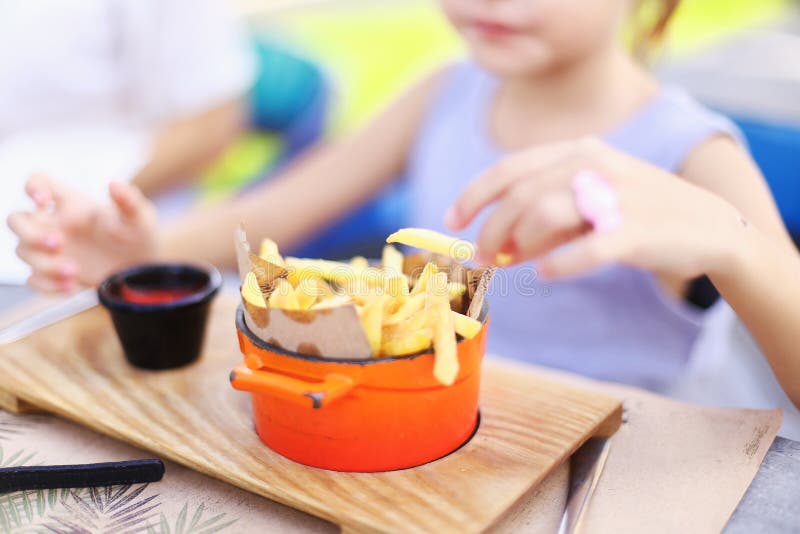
341,60
322,67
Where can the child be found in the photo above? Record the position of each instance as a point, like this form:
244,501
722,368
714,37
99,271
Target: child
660,178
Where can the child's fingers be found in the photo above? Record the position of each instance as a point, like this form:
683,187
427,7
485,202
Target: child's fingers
36,230
551,222
495,182
591,251
46,284
74,209
38,189
44,191
46,264
496,231
129,200
544,201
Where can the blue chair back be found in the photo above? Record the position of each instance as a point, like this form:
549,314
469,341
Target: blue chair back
776,149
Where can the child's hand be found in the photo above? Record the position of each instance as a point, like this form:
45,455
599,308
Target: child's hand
71,240
658,221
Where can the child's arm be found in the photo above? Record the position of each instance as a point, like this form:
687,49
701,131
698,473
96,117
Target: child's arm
326,184
186,145
762,283
65,240
720,165
667,225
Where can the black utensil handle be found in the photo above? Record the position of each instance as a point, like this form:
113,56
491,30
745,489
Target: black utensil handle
80,476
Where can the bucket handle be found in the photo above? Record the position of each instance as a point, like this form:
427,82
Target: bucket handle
318,394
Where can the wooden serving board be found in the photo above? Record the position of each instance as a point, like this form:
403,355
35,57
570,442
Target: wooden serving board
529,425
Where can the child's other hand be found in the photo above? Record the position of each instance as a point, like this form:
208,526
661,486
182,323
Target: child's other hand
71,240
665,224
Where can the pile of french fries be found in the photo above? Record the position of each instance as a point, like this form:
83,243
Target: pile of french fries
401,314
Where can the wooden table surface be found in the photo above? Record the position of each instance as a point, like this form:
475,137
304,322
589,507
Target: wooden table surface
770,504
529,425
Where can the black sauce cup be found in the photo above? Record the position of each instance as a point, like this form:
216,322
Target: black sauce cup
162,334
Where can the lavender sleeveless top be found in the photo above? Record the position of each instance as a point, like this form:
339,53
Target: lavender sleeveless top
613,324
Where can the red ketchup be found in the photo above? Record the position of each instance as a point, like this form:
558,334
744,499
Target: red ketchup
156,295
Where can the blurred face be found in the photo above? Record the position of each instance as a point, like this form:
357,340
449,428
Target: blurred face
530,37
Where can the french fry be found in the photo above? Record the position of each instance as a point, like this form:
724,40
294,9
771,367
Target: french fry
391,304
269,251
284,296
324,290
310,290
408,344
371,315
396,286
373,281
362,292
407,309
437,286
391,283
455,290
392,260
296,276
503,260
333,302
421,284
413,323
445,365
305,296
359,263
456,248
333,271
466,327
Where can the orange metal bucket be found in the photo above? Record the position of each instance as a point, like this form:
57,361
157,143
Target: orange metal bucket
359,415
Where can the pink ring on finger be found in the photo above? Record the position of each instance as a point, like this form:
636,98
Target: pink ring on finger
596,200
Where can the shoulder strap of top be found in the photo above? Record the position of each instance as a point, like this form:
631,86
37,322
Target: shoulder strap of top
670,128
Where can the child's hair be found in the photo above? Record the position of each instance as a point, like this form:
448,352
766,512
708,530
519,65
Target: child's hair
651,19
